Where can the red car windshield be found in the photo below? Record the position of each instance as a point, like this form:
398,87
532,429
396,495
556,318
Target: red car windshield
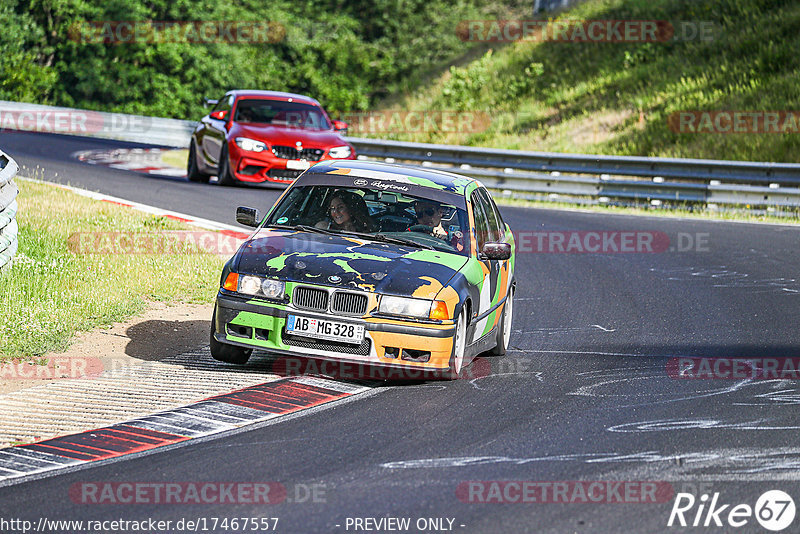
281,113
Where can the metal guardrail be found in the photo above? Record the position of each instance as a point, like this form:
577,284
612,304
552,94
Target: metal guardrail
547,175
8,210
604,177
71,121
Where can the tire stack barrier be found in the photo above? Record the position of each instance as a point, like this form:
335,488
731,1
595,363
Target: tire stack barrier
8,210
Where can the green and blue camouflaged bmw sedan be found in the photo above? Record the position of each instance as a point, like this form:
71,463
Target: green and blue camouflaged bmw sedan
374,264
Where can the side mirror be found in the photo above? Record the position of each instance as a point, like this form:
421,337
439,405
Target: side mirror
340,126
247,216
221,114
208,102
496,251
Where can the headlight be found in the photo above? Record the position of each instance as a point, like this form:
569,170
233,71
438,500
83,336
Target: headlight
249,285
340,152
251,145
272,289
405,306
261,287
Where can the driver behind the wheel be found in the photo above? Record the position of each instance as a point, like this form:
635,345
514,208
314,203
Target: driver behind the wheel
429,213
429,216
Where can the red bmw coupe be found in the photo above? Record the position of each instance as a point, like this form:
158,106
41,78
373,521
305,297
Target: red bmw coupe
263,136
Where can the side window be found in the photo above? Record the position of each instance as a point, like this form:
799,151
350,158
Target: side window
481,222
496,224
491,220
223,107
287,210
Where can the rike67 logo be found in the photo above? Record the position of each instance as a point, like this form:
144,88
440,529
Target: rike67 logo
774,510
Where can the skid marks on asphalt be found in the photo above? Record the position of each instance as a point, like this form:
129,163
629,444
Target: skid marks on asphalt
141,160
742,463
723,277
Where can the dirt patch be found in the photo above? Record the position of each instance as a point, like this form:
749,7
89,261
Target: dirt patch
599,127
160,332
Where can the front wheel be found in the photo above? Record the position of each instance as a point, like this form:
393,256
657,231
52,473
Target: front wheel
224,168
227,353
504,325
192,170
459,346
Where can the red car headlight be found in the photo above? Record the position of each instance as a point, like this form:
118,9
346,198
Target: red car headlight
340,152
251,145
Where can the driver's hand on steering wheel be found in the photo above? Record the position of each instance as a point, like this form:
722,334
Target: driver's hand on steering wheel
439,232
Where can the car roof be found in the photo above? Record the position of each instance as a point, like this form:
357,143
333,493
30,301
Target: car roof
426,177
277,95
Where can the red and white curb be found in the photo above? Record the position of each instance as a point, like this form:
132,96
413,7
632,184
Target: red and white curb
217,414
143,160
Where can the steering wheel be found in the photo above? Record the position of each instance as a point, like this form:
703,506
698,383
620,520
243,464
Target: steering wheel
422,228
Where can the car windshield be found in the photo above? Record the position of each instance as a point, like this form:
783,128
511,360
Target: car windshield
384,216
281,113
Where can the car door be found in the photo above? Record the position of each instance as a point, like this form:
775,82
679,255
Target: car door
215,129
501,283
483,234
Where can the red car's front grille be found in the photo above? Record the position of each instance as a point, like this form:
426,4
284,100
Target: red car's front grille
286,175
290,152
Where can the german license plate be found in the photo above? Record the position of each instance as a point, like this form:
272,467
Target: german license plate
298,164
324,329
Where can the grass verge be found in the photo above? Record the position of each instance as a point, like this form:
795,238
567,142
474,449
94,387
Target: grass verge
51,293
617,98
175,158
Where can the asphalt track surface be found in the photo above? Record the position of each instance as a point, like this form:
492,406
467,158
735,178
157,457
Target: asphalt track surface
584,394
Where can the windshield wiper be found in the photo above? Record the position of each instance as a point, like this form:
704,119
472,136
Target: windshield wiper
375,237
411,242
390,239
304,227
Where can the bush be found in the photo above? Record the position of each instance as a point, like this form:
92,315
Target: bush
347,55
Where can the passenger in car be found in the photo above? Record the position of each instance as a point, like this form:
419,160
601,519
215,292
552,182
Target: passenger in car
348,211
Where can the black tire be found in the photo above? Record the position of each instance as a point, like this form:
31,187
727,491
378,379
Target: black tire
227,353
504,326
225,177
457,356
192,170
